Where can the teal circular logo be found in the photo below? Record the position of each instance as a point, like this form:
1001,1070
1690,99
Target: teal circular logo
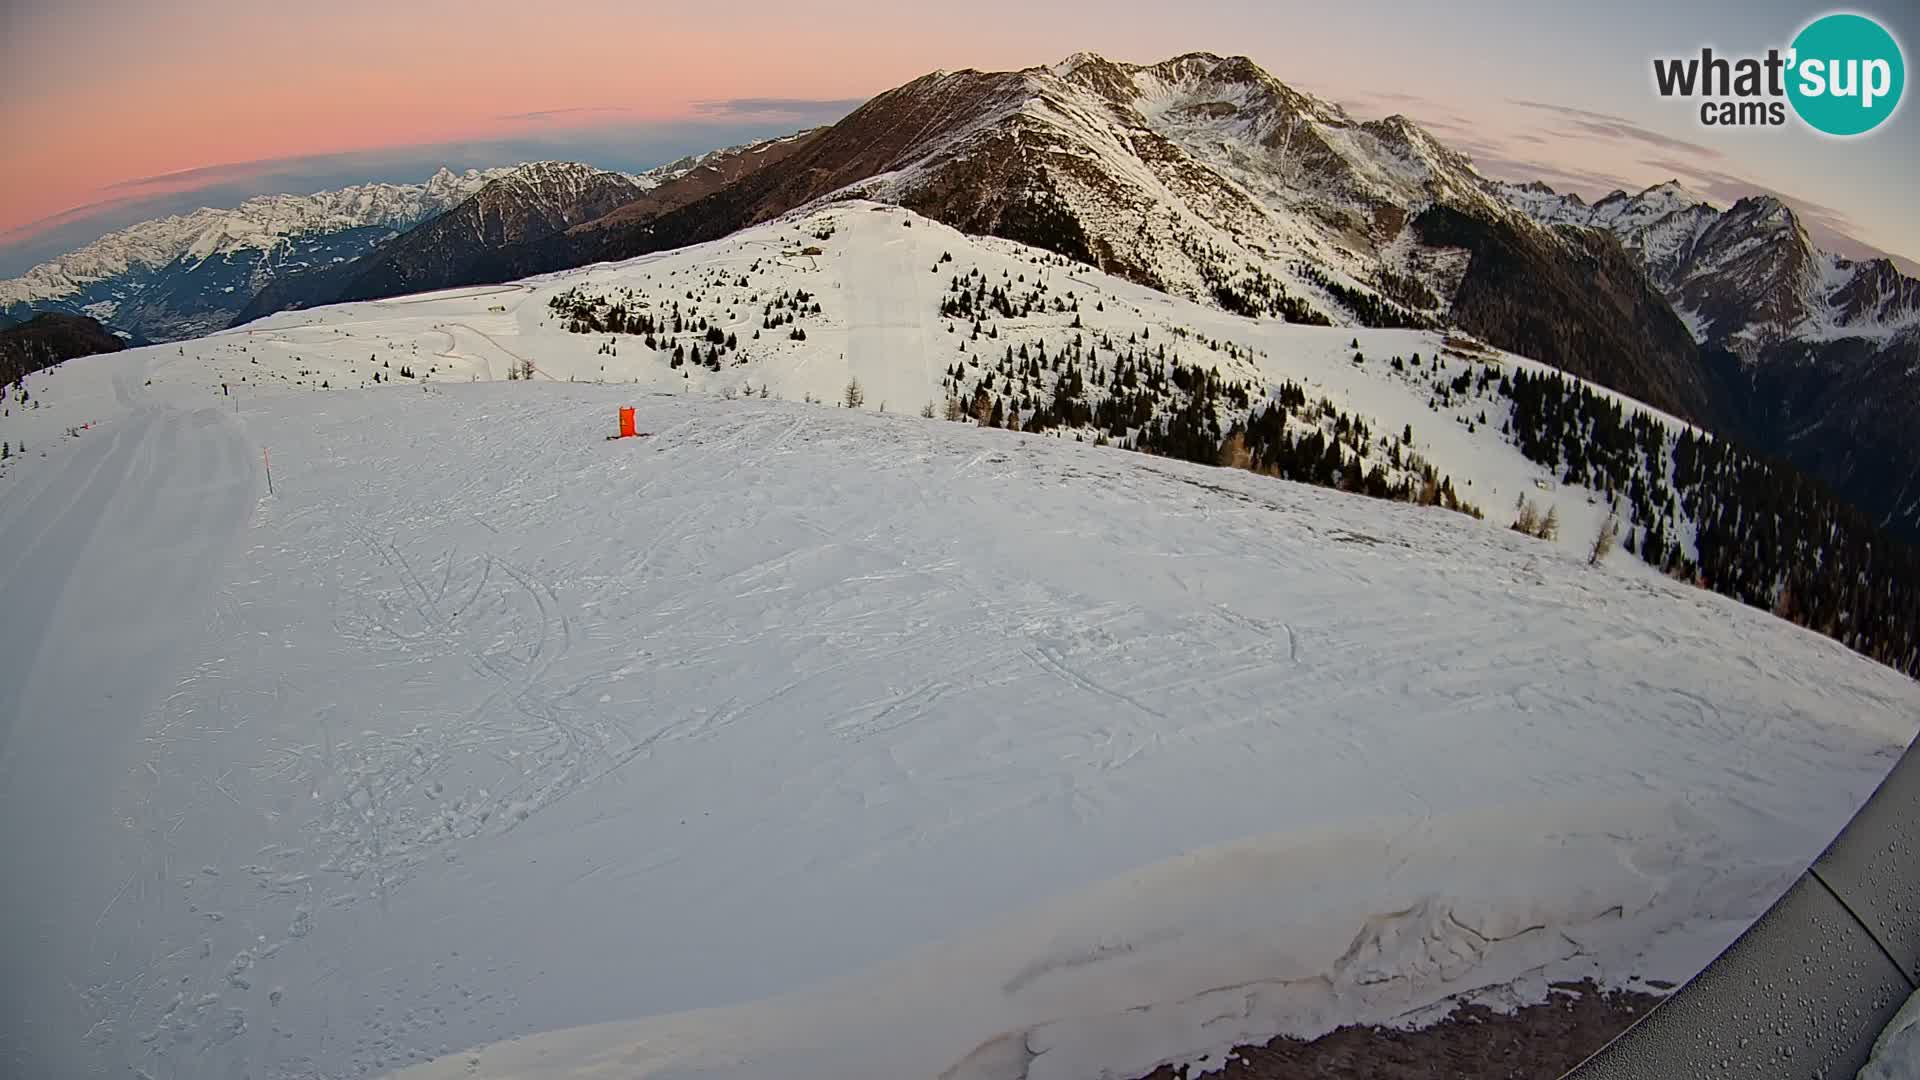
1847,74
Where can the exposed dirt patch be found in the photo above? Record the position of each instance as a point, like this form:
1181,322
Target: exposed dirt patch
1538,1042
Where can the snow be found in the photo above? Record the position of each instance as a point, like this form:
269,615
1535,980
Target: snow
1278,171
879,284
1680,238
257,223
264,222
1890,316
797,741
1661,225
1698,325
557,183
1542,203
1623,214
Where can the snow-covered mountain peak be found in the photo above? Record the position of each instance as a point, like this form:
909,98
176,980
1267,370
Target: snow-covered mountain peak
1746,276
1647,207
1618,211
190,273
1674,191
259,223
538,172
448,187
557,187
1266,142
1200,174
1066,69
1201,86
1767,216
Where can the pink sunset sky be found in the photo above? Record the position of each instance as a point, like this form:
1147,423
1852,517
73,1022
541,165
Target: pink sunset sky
111,105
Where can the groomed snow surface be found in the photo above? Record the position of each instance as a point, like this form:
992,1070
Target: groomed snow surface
791,741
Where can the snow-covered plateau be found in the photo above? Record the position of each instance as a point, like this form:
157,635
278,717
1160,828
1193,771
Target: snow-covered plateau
792,740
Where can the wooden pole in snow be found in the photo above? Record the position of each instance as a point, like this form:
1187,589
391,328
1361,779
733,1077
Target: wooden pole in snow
269,463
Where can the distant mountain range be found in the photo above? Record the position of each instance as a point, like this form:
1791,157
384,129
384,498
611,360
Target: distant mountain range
544,214
514,206
1747,277
190,274
1202,176
1817,355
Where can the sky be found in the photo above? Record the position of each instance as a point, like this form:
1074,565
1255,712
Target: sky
119,110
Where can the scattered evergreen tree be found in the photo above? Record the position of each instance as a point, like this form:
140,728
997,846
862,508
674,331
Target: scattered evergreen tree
1604,539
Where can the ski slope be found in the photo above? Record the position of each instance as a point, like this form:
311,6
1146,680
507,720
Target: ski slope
798,741
109,561
879,277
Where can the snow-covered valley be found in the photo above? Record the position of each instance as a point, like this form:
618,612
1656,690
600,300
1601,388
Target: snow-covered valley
792,740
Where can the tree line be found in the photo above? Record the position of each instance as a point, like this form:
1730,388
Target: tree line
1761,531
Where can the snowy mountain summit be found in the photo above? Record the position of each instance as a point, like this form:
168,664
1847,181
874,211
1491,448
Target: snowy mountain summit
1817,354
189,274
1199,174
1747,275
258,224
1207,178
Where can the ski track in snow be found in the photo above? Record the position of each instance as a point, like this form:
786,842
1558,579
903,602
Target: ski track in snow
830,744
107,564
